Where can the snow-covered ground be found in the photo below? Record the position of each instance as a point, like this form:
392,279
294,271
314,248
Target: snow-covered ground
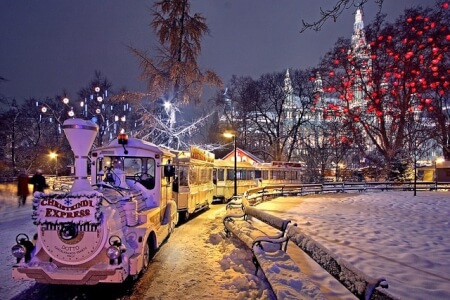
387,234
390,234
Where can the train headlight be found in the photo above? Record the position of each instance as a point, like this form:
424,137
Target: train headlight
113,252
23,248
18,251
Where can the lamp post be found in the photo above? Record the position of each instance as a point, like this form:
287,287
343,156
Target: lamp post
54,155
415,170
229,135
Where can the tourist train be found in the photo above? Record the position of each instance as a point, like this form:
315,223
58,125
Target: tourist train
109,225
106,229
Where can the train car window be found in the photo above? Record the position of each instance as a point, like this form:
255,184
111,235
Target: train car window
183,171
220,174
209,175
258,174
204,176
193,175
274,175
230,174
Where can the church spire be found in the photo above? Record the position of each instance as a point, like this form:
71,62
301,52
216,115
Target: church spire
289,103
360,52
359,36
288,83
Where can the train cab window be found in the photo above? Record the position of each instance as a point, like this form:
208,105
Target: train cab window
116,169
147,177
142,170
111,167
132,166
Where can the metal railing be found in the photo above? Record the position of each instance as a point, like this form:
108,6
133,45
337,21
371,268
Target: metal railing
262,193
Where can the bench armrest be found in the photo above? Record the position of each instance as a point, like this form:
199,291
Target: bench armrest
235,204
271,240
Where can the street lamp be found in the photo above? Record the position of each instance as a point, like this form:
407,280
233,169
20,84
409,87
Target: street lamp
54,155
232,135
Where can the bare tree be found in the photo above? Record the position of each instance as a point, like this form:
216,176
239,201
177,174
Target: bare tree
110,110
9,133
30,135
334,13
267,113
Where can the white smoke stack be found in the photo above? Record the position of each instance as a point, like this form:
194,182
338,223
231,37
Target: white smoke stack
81,134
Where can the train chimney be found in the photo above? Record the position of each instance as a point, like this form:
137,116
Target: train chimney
81,134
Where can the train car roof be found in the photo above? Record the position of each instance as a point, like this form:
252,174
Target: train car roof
195,154
228,163
136,144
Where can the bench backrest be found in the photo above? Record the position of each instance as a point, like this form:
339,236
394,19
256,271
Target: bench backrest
278,223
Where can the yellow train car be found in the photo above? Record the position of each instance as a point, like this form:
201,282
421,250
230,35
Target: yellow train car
192,187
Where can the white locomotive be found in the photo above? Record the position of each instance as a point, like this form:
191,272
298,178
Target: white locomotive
105,229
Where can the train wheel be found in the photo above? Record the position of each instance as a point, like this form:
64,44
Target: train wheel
186,216
146,257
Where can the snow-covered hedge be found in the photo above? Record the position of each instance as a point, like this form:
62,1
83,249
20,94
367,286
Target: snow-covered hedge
357,282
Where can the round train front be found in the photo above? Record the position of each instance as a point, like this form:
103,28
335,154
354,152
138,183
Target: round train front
70,227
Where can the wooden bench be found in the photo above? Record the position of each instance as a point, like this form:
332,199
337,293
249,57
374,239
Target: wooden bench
239,221
284,276
261,194
269,251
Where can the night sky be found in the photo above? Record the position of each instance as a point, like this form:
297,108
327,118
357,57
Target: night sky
51,45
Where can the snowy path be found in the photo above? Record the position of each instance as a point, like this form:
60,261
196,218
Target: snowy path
198,262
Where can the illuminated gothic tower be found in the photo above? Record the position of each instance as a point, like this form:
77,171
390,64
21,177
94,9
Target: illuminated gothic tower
360,52
289,104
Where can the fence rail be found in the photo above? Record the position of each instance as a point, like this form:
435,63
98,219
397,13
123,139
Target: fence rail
262,193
